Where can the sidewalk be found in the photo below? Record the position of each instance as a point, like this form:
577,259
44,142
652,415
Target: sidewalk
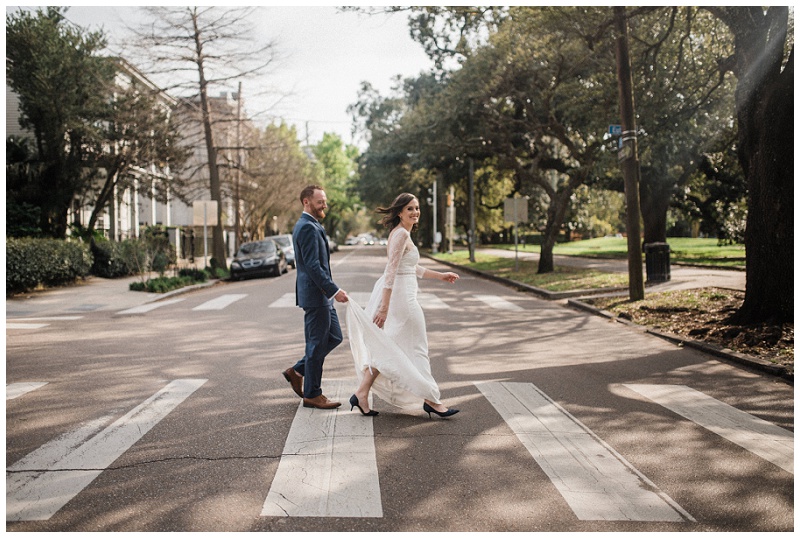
91,295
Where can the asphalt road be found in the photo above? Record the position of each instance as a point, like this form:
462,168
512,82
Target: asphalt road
177,419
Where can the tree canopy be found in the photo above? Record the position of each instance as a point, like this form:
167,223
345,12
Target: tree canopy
529,93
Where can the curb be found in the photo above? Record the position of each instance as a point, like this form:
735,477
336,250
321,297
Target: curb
185,289
723,353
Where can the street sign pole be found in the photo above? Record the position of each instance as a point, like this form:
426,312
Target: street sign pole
205,236
435,206
629,157
516,238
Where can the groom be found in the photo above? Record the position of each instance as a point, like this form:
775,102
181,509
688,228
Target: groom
315,293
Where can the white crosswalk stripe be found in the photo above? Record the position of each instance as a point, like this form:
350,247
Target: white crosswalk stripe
41,483
334,453
26,323
499,303
18,326
220,302
596,481
15,390
149,307
758,436
286,300
428,301
52,318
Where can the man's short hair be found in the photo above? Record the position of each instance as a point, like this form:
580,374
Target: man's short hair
308,192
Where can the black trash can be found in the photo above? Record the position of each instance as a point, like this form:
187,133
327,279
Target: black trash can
657,262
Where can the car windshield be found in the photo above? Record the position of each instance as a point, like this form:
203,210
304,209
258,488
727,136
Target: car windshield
283,241
251,248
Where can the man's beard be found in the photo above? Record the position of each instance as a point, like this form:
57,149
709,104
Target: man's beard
318,214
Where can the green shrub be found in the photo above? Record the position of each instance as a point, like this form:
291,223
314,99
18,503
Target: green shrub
49,262
117,259
199,275
160,252
162,284
220,273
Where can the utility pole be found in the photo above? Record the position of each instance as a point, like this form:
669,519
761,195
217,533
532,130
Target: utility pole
451,217
435,244
629,157
471,210
238,162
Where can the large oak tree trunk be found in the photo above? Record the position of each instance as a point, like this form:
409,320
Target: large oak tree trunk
765,113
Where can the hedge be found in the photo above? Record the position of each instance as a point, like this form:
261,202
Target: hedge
114,260
31,262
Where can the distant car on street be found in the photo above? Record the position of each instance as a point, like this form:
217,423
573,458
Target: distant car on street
333,246
259,258
287,246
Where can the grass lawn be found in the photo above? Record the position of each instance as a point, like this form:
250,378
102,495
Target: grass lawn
682,250
562,279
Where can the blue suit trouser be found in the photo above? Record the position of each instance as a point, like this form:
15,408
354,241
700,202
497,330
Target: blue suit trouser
323,333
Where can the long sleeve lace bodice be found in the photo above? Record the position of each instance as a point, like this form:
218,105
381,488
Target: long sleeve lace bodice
403,257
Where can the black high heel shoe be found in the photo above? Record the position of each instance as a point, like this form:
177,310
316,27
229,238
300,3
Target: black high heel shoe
428,409
354,403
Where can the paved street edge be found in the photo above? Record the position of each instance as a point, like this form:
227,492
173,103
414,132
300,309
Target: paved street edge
723,353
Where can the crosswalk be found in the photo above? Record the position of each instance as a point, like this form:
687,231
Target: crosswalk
41,483
428,301
335,453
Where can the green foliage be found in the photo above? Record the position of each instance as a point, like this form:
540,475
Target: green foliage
163,284
31,262
277,170
596,212
339,164
62,85
160,253
118,259
198,275
84,234
22,219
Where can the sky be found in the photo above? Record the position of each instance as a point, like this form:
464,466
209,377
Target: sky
327,55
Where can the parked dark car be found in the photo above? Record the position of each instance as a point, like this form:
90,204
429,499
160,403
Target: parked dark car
287,246
259,258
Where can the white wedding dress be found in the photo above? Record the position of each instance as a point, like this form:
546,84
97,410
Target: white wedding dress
399,351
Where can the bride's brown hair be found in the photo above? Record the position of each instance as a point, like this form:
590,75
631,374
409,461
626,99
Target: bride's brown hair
391,214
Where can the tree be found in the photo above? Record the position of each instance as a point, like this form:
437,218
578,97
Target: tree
339,177
62,85
277,170
763,62
138,133
217,46
682,102
542,106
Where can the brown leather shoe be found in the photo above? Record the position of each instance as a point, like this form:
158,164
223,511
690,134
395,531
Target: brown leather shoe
320,402
295,379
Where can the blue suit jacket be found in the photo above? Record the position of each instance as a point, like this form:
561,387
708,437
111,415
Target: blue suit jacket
314,287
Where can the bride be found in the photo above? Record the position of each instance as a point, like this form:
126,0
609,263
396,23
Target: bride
388,339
